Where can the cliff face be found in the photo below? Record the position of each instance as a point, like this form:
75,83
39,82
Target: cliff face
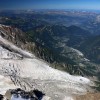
13,34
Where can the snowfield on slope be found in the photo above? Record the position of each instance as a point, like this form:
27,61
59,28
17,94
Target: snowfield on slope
33,73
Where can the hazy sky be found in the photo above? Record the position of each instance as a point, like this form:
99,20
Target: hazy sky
50,4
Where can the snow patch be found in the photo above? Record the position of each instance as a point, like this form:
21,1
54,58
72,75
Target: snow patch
68,98
79,53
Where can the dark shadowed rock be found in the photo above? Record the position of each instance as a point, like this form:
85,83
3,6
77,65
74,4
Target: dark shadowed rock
1,97
32,95
38,94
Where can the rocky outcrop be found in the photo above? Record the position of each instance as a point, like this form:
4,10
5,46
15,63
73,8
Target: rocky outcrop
1,97
24,95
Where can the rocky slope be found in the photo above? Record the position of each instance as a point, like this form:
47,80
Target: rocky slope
91,48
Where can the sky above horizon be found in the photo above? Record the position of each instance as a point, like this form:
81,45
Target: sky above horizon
50,4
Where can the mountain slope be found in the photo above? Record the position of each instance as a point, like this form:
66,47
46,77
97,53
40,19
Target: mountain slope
51,47
29,72
62,40
91,48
